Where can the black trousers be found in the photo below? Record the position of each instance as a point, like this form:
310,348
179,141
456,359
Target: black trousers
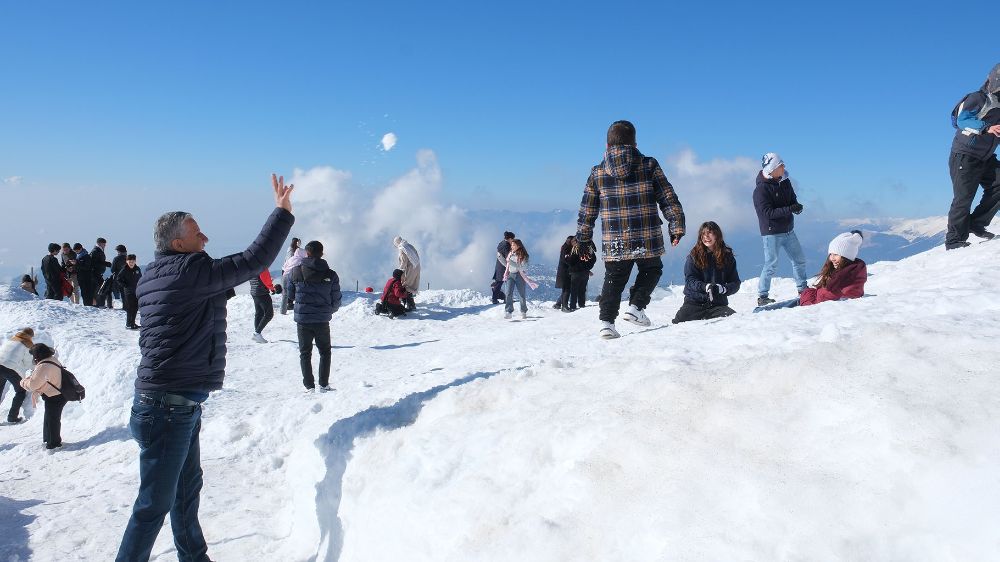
52,424
87,289
498,294
578,288
53,290
967,174
10,376
691,311
131,304
616,274
321,334
263,312
389,309
108,298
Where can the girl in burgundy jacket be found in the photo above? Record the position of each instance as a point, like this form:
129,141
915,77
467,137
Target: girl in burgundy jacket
843,275
393,296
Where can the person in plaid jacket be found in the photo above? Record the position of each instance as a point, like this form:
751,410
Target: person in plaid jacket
628,190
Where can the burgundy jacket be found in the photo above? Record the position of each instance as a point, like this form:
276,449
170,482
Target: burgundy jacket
845,283
394,292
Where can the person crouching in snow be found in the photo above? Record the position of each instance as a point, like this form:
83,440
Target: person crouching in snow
516,277
393,296
261,289
709,276
46,379
409,262
843,275
15,359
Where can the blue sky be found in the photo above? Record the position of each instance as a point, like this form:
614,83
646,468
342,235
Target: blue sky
142,105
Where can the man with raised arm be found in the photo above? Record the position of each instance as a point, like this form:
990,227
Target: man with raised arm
182,299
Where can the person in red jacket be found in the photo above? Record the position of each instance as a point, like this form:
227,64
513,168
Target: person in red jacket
393,296
843,275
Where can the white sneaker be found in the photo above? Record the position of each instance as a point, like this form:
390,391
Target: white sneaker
507,315
608,331
325,388
524,316
258,338
636,316
309,391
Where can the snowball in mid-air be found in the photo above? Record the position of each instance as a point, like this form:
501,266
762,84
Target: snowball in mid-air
388,141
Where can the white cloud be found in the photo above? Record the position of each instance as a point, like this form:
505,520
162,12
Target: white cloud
718,190
388,141
13,180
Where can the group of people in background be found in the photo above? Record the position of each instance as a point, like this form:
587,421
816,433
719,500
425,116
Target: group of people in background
71,272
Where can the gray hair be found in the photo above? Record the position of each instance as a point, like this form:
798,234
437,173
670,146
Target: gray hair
169,227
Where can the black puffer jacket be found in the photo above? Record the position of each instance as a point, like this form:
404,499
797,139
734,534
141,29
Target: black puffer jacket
315,288
182,300
128,279
773,200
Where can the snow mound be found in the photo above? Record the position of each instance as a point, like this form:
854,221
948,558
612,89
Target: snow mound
14,293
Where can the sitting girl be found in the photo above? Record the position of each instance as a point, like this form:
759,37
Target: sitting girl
709,275
843,275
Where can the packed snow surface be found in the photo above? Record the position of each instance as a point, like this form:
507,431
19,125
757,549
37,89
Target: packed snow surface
855,430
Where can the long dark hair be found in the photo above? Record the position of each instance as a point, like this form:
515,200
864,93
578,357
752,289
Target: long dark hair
567,245
828,270
294,245
520,252
720,253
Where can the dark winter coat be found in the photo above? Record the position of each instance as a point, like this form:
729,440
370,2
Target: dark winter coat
977,112
182,300
695,280
562,273
625,189
773,199
847,282
84,264
127,279
503,248
315,289
575,263
52,271
262,285
99,262
118,263
394,292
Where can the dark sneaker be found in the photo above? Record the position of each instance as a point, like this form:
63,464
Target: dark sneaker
956,245
764,301
983,233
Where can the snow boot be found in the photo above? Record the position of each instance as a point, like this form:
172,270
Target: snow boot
983,233
608,331
764,301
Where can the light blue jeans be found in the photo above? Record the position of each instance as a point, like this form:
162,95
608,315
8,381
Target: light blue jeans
514,280
790,243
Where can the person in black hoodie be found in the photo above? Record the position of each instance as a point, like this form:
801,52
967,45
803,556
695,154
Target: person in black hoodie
315,289
52,272
562,274
709,277
100,264
127,279
579,262
116,265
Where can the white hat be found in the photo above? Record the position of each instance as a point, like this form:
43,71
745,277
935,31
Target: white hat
847,244
770,162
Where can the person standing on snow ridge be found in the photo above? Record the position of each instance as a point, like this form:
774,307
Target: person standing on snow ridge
579,264
85,275
182,298
503,248
52,272
562,274
516,276
775,202
315,289
973,162
127,280
710,276
261,289
101,264
409,262
15,360
116,265
68,262
292,258
625,190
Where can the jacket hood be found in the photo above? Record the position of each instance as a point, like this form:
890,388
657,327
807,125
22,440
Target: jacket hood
620,160
315,270
992,85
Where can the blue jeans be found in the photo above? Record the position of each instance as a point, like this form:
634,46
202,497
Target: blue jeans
515,281
790,243
170,479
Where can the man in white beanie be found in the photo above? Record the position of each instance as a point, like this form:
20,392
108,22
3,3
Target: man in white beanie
776,204
409,262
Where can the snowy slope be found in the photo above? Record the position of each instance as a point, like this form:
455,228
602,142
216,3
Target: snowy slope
859,430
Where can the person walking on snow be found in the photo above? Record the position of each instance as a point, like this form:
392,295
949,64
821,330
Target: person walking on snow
579,262
516,276
710,276
776,205
127,280
562,274
45,381
973,163
292,258
503,248
182,299
625,189
261,289
315,290
15,360
393,295
409,262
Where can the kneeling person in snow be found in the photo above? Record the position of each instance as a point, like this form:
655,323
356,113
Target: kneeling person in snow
182,299
315,290
393,296
709,276
409,262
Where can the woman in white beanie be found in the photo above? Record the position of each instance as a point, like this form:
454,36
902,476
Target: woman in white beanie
843,275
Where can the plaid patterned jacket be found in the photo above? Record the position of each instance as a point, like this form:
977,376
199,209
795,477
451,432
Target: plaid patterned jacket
625,189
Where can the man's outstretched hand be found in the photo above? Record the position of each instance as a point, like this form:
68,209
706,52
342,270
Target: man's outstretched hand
282,193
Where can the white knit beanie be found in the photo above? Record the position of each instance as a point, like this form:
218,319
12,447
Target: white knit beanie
770,162
847,244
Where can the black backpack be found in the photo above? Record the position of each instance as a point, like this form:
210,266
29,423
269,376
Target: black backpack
71,389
